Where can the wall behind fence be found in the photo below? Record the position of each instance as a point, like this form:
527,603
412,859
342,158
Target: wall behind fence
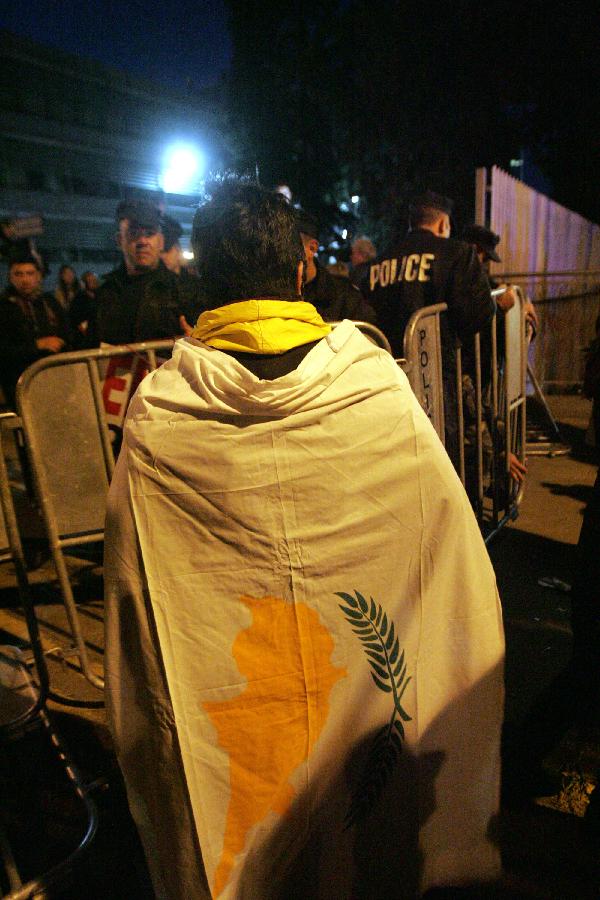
544,239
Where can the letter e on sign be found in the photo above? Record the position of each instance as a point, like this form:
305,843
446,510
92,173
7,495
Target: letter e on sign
426,260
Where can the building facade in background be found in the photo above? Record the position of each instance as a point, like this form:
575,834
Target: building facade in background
77,137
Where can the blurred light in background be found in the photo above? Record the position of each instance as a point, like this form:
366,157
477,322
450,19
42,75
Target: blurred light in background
182,168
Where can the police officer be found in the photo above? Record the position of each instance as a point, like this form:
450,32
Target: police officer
140,300
428,267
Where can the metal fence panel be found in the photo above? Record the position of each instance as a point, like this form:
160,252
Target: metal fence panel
423,353
515,360
63,434
64,420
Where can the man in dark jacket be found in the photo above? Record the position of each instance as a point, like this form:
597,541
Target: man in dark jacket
335,298
425,268
32,323
140,300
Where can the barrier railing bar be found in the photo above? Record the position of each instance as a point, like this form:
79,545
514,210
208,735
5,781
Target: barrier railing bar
94,376
460,412
479,423
567,273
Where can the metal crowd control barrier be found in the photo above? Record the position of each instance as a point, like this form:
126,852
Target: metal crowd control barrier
376,335
62,408
63,404
24,703
499,405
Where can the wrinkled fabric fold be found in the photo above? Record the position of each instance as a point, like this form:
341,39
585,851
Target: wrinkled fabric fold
306,597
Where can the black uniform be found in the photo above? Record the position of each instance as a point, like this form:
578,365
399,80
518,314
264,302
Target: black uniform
144,307
423,270
336,298
22,322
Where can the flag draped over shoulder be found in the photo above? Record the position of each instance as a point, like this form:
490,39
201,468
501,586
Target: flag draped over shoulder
304,639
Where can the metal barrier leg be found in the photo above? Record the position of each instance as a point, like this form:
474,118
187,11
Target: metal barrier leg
72,614
540,396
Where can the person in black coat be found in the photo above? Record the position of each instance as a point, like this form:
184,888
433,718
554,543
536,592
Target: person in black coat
32,322
334,297
140,300
424,268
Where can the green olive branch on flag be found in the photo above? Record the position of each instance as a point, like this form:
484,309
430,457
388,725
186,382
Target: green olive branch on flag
388,671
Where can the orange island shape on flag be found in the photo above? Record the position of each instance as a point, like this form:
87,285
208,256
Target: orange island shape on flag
271,727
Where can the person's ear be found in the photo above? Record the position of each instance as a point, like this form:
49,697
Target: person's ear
300,277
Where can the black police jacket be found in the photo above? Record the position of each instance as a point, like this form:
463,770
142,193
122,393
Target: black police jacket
336,298
422,270
144,307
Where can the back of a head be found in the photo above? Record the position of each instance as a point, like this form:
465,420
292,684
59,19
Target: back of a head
172,232
426,209
246,244
364,246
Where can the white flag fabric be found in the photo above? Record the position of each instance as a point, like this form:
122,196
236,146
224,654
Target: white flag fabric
304,639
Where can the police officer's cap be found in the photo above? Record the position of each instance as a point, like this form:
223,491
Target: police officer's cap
484,238
307,223
140,214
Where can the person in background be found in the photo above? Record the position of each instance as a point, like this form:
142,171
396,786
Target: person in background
83,313
340,269
33,324
139,301
334,297
67,287
426,267
285,191
190,291
362,253
485,243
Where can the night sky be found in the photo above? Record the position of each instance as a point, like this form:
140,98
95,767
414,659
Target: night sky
494,81
172,43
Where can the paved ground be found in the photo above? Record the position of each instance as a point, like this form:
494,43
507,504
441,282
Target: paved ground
549,851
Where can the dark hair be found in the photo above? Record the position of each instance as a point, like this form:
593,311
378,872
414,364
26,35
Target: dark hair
21,254
427,208
172,232
246,244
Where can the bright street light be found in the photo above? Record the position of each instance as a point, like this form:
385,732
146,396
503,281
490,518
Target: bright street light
182,164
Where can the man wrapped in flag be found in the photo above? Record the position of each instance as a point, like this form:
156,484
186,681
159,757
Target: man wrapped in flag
304,639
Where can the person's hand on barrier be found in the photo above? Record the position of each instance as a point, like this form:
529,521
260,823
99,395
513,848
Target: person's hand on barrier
185,326
52,343
531,317
517,469
506,300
